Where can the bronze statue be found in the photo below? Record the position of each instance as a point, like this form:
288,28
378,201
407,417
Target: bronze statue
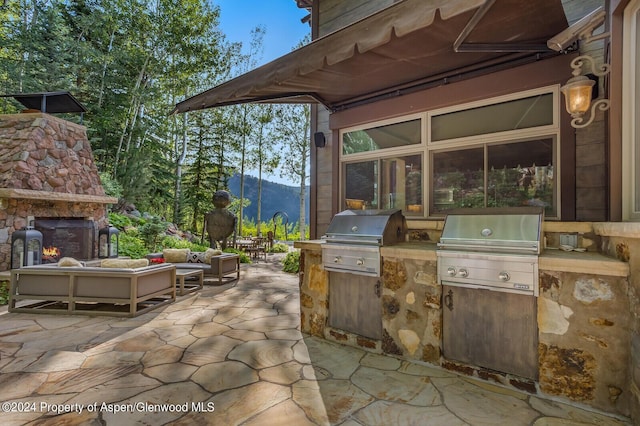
220,222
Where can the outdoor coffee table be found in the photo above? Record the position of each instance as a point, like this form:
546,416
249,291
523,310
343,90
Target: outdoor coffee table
189,286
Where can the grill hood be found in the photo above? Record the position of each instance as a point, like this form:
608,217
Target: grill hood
510,230
375,227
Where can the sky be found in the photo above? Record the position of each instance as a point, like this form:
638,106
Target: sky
284,30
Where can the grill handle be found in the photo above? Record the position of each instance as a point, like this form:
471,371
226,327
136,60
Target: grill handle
448,300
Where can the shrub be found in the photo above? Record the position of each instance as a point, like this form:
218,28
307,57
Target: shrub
4,292
175,242
244,257
131,246
120,221
291,262
279,248
151,231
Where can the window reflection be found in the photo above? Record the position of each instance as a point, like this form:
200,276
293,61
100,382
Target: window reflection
517,174
389,183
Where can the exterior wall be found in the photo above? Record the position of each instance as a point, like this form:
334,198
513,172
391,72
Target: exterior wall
331,16
622,240
591,142
584,339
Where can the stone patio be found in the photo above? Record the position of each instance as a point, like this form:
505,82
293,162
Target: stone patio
232,355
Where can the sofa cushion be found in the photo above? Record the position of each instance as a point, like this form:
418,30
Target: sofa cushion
69,261
124,263
210,253
176,255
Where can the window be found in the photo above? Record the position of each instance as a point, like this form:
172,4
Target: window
631,113
388,183
502,175
382,137
501,152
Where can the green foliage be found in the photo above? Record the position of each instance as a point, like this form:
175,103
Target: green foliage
244,257
175,242
120,221
291,262
111,187
151,232
4,292
131,246
279,248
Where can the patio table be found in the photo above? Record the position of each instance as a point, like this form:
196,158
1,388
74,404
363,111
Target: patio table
188,287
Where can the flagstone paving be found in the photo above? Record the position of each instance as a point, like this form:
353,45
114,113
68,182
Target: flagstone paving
234,355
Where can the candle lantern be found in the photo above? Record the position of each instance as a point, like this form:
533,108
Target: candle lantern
26,247
108,239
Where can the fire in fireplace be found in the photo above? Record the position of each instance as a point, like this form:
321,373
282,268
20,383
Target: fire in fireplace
63,237
50,254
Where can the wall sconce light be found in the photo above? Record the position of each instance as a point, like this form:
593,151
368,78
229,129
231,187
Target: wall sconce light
579,89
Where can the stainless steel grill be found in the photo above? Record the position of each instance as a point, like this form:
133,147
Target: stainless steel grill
354,237
496,249
488,268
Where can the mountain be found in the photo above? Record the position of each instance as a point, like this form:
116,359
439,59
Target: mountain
275,198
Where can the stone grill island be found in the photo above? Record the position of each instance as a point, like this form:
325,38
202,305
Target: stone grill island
583,312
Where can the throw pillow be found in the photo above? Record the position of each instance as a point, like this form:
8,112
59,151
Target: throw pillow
210,253
124,263
69,261
175,255
195,257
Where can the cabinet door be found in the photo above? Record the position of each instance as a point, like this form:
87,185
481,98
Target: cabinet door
491,329
354,304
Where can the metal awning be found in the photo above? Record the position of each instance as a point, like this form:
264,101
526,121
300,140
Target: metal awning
49,102
403,45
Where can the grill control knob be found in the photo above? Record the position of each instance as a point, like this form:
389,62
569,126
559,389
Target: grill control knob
354,228
463,273
451,271
360,261
504,276
337,259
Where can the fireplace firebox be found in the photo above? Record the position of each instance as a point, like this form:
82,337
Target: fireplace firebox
62,237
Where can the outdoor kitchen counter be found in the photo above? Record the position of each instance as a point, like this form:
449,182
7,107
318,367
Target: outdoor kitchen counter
582,263
550,259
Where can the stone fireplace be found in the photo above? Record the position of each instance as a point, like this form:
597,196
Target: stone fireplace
48,180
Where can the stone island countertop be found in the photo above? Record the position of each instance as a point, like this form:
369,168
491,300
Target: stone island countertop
550,260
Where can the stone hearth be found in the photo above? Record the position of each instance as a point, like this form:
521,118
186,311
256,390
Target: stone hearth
46,171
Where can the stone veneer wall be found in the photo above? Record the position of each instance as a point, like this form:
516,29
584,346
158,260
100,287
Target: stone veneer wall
15,217
46,156
622,240
586,348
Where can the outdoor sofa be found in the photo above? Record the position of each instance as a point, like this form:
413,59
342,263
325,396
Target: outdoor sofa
224,267
117,290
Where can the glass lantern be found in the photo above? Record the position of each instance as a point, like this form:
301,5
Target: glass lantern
26,247
108,239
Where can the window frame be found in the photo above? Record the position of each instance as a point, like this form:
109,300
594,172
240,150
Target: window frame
427,147
630,109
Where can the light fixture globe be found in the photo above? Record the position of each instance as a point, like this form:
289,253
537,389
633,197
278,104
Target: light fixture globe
577,95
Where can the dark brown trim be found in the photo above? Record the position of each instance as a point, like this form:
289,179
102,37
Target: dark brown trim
335,166
616,27
313,178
